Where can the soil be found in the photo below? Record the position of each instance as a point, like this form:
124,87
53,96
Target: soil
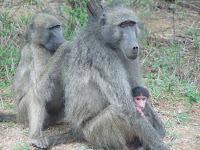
182,121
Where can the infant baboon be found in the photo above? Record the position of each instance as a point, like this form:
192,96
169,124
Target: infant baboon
102,68
37,86
140,97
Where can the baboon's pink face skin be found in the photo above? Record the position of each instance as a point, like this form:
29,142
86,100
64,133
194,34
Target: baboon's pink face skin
140,101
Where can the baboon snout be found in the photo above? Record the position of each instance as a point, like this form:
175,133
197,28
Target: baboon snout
132,53
135,50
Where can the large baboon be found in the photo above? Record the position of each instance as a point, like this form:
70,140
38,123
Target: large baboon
37,88
102,69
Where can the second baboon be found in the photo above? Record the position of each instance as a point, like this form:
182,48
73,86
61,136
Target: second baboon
102,69
37,86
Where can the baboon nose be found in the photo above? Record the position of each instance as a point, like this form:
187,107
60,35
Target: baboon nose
135,48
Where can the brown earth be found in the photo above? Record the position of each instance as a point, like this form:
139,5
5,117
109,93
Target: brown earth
182,121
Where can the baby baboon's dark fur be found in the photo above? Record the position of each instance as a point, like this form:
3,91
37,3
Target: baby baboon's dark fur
102,69
37,86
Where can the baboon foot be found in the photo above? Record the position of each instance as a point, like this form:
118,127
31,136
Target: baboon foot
142,148
49,141
130,147
42,142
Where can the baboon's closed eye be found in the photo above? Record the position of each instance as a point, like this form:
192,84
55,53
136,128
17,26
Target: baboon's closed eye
54,27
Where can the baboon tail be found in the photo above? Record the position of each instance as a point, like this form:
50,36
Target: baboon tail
7,117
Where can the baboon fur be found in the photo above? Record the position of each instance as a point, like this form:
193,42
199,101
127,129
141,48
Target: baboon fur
98,80
38,92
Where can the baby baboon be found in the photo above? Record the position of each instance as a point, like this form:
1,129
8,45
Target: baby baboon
102,68
140,97
37,86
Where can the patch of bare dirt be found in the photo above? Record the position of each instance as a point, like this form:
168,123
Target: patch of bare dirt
182,122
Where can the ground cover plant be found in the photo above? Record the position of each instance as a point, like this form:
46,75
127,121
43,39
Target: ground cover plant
170,61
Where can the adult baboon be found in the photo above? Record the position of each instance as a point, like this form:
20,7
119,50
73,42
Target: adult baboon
102,69
37,86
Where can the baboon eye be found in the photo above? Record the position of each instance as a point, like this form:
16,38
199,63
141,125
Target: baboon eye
123,24
57,26
138,99
131,23
143,99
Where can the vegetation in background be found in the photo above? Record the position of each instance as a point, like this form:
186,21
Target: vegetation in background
13,30
78,17
167,62
171,69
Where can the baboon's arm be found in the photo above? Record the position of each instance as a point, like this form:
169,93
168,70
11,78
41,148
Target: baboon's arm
157,123
51,74
23,80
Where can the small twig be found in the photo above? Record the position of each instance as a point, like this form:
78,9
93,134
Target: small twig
147,55
184,36
191,26
7,73
15,11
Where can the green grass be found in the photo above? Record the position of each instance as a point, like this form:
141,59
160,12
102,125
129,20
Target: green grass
23,146
170,71
173,68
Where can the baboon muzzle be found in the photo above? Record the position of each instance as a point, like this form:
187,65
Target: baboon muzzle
133,53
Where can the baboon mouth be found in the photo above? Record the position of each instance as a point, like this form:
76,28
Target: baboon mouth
132,57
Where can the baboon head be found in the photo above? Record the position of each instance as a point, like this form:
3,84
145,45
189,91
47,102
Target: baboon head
45,30
119,30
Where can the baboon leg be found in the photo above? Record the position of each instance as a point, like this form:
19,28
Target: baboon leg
37,115
109,129
23,108
48,141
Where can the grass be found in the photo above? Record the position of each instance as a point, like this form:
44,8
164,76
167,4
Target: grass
170,69
178,119
173,68
23,146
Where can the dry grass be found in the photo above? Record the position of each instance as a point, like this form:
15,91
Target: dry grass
182,121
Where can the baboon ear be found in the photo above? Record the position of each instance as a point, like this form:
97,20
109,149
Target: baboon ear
103,20
31,27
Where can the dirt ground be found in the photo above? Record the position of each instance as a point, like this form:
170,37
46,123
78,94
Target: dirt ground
182,122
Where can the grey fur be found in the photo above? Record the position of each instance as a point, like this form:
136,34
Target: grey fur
98,82
38,92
